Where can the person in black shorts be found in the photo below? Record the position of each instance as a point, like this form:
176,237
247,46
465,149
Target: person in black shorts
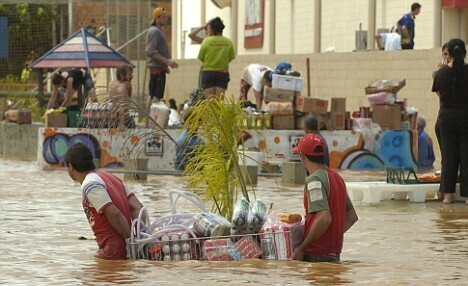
71,80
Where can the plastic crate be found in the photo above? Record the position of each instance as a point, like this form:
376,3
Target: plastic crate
287,82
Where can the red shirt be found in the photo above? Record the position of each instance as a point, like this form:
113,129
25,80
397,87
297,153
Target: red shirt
99,192
334,192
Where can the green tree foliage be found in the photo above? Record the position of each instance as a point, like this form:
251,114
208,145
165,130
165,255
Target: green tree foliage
214,165
29,29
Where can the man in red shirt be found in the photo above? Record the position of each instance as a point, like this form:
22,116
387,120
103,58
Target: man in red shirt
329,212
107,203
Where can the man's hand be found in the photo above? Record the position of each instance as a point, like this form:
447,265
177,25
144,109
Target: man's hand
172,64
299,253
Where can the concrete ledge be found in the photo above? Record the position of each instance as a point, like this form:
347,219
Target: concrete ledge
19,141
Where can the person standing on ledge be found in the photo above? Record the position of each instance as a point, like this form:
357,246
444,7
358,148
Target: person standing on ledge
405,27
107,203
216,52
158,56
329,211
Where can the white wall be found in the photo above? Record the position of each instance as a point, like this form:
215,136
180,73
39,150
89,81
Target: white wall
294,24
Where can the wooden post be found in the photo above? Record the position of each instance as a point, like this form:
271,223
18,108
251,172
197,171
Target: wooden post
308,77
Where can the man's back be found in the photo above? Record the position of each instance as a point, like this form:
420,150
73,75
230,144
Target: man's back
101,189
326,190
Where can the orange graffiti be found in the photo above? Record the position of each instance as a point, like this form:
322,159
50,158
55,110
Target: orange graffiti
277,140
262,144
105,144
49,132
353,132
134,139
106,159
335,143
113,131
337,157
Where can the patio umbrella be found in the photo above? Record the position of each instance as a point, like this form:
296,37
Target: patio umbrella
81,50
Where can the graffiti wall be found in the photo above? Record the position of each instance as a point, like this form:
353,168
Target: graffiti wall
348,149
110,147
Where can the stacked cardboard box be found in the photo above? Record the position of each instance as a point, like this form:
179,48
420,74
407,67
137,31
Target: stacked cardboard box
281,106
388,116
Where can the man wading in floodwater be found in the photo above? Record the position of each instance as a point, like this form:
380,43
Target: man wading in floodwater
329,212
107,203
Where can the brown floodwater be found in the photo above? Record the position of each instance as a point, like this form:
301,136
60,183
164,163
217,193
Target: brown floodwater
45,239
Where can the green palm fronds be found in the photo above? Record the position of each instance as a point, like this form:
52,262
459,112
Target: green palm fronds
214,165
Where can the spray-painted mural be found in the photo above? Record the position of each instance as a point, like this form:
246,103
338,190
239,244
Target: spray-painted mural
111,147
348,149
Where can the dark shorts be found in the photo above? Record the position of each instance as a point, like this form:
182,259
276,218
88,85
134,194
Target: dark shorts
215,79
157,85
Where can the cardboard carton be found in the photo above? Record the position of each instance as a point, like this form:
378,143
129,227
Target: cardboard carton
385,86
281,95
311,105
338,105
56,120
338,120
387,116
283,122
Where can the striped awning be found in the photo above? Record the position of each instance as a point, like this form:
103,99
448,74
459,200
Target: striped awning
81,50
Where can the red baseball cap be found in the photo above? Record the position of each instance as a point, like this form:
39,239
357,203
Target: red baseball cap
309,145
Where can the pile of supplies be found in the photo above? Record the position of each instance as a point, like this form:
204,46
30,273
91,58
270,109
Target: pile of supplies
203,235
388,111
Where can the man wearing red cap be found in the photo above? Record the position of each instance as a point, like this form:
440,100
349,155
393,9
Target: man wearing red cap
158,55
329,211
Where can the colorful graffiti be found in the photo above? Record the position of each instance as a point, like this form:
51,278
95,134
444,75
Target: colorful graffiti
392,148
348,149
55,145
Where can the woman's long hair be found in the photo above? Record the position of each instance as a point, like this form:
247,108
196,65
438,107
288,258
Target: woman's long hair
457,50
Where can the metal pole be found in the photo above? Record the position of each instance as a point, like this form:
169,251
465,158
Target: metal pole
70,17
138,72
234,17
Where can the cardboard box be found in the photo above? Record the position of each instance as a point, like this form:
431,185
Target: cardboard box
338,105
283,122
338,120
56,120
280,108
385,86
281,95
323,121
311,105
387,116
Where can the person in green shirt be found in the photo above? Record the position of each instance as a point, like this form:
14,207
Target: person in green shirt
216,52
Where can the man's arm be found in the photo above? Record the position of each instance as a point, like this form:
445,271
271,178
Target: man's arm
351,219
117,220
53,97
135,207
322,221
68,93
157,56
